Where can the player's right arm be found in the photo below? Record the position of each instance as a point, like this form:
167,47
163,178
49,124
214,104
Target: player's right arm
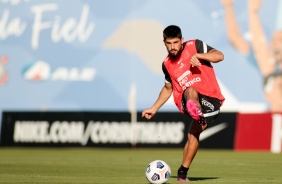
163,97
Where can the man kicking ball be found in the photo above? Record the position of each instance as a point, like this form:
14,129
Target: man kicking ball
190,76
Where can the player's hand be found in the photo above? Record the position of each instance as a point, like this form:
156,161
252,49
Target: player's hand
148,113
195,61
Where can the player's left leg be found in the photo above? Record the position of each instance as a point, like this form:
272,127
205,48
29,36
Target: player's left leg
210,109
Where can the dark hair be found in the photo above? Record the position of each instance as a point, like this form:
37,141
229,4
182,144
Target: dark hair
172,31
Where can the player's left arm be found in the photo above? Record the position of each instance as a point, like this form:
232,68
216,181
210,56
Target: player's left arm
213,56
207,53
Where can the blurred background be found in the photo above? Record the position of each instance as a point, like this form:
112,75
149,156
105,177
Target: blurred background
91,62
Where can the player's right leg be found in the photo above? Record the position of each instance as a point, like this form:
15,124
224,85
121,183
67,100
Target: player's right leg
192,105
190,149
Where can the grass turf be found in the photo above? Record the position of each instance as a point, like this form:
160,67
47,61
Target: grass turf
124,166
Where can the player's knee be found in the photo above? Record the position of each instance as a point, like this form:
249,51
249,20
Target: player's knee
191,93
195,129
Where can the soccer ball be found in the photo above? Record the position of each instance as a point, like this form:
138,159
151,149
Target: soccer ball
158,172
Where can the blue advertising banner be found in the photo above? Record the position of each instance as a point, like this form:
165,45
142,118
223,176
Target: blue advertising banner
106,55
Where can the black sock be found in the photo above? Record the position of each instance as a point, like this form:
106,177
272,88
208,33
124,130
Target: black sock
182,172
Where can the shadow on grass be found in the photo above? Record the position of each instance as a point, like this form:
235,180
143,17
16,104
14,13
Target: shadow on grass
198,178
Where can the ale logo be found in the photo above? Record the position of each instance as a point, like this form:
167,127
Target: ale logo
41,70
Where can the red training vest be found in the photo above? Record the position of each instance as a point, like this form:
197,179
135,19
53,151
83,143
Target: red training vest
183,76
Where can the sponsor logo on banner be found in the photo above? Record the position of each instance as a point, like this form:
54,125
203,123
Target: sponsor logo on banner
41,70
109,129
97,132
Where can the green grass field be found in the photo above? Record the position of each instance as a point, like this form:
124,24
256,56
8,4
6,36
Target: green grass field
124,166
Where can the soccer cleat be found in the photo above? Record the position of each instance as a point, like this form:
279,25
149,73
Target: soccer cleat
193,109
195,112
183,179
182,174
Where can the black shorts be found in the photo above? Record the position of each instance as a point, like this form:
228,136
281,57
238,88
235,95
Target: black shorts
210,107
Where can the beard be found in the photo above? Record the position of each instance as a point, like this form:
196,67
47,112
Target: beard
173,53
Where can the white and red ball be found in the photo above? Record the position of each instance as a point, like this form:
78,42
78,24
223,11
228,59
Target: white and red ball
158,171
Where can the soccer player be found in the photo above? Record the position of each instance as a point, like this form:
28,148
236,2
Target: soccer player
190,77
